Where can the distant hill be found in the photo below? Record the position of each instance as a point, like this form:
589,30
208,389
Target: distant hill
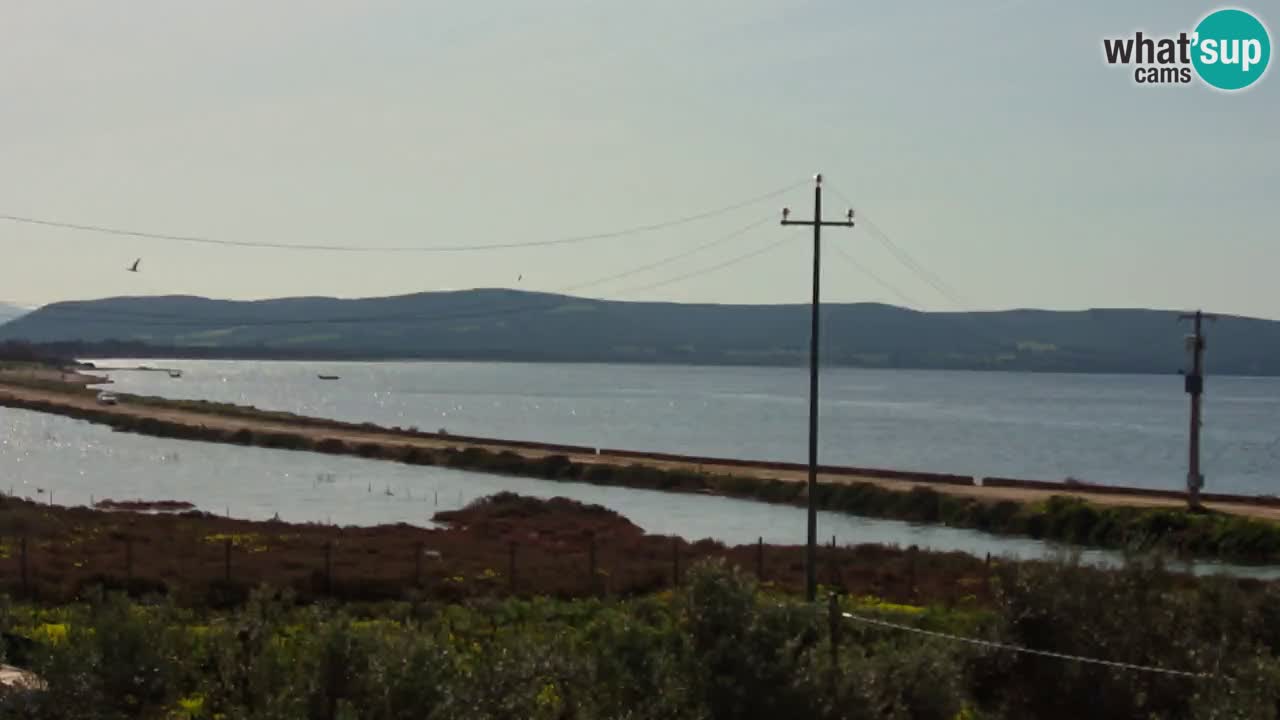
10,312
525,326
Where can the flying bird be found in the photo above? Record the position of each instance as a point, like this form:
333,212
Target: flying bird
134,267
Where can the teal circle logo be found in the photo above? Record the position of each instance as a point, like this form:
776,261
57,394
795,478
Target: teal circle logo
1231,49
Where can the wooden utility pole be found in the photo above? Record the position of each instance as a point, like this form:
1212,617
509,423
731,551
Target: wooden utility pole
811,547
1194,385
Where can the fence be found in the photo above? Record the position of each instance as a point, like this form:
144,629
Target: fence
836,617
399,562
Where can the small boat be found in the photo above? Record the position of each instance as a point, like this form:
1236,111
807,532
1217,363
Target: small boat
106,398
175,373
327,377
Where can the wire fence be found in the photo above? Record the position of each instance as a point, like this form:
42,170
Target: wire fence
222,567
992,645
57,554
223,559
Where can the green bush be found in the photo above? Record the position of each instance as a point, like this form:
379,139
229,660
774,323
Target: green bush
745,658
1144,616
722,647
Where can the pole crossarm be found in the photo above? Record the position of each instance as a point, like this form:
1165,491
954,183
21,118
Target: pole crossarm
824,223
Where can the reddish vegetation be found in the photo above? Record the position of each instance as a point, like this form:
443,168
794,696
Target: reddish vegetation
550,544
144,505
514,518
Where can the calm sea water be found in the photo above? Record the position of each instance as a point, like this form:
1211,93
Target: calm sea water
1098,428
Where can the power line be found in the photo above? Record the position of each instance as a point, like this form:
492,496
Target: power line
874,277
704,271
906,259
982,323
464,313
670,259
1023,650
634,230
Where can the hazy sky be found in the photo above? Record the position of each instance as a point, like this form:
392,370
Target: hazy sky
987,138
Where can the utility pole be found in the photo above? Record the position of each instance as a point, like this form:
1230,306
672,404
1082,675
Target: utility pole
1194,385
811,548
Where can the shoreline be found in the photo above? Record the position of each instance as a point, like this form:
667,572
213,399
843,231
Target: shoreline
1237,528
69,350
356,360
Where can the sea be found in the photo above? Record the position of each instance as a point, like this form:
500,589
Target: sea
1107,429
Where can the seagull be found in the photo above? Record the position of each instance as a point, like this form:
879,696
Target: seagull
134,267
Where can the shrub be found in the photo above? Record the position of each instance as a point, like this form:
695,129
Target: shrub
332,446
744,658
723,647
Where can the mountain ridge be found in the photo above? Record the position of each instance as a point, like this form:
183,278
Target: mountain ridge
11,312
518,325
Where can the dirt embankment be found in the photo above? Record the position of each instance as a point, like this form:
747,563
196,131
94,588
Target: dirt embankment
220,423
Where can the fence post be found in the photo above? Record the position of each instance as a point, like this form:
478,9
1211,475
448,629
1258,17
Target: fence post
226,559
511,566
833,618
986,575
328,566
911,570
25,584
591,562
675,562
760,559
834,565
417,564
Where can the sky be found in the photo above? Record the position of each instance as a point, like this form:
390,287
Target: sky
987,140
